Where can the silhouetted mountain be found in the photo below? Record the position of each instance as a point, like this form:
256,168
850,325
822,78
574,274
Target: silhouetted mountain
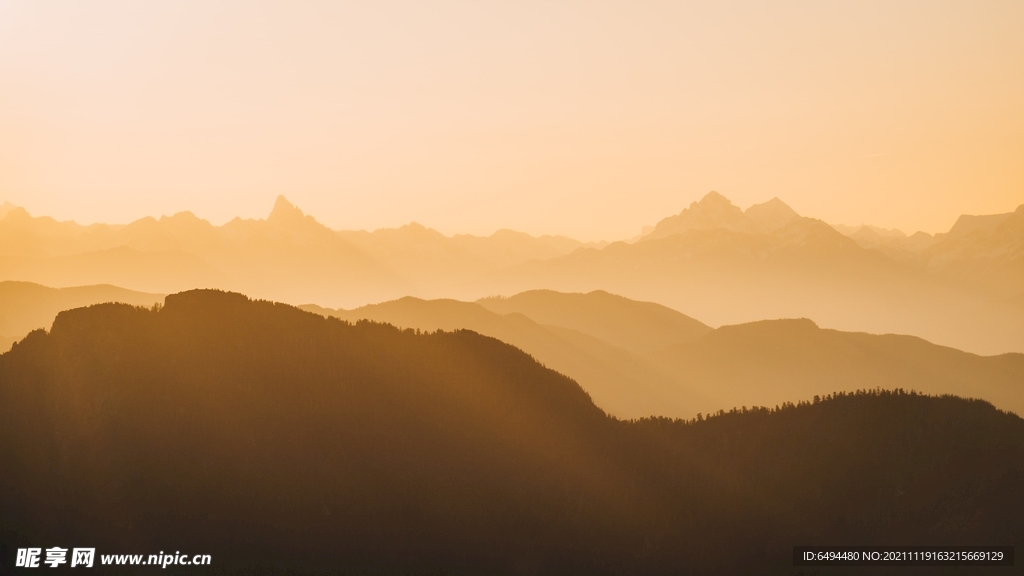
503,248
618,381
635,326
729,274
716,270
274,438
5,208
713,212
983,250
870,232
638,358
288,256
766,363
967,224
713,260
716,212
286,215
25,306
893,243
771,215
454,265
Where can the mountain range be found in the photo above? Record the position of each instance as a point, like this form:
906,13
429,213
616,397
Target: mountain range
576,343
638,359
25,306
282,441
726,266
713,261
289,256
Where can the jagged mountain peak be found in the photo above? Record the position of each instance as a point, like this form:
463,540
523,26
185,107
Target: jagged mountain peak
14,212
284,211
710,212
771,215
5,208
969,223
713,198
716,206
287,216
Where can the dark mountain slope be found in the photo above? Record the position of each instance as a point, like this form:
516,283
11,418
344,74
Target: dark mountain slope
241,412
618,381
263,434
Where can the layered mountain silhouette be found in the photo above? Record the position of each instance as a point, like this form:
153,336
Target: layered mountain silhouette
762,363
25,306
288,256
5,208
638,359
619,381
987,251
727,266
638,327
713,260
716,212
279,439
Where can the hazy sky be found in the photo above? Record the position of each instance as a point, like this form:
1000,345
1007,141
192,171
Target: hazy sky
586,118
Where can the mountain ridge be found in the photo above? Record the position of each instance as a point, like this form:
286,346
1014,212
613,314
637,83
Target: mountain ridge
726,265
617,382
277,438
763,363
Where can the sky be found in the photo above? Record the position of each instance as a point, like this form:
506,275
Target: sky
590,119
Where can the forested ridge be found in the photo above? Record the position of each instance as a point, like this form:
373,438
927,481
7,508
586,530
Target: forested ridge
274,438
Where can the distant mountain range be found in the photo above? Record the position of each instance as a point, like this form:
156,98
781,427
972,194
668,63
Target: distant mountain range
280,441
639,359
987,250
715,212
289,256
964,288
726,266
589,339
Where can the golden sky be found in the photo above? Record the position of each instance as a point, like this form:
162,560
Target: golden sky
589,118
